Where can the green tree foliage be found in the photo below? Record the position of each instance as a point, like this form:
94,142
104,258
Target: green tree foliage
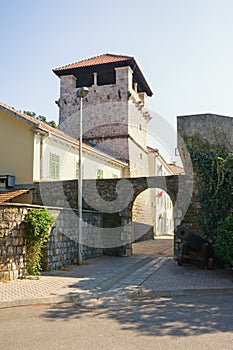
37,226
224,241
41,118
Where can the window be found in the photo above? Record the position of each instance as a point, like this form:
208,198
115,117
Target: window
77,170
100,173
54,166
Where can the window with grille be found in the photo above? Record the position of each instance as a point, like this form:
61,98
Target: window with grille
54,166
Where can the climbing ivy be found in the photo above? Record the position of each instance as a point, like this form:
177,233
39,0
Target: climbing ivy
213,167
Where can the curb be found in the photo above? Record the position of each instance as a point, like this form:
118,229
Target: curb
104,300
53,299
142,293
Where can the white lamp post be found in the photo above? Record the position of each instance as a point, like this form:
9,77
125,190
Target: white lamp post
81,93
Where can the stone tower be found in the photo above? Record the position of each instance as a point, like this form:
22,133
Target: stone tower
114,111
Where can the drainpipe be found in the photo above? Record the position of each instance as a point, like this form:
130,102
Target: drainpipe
41,156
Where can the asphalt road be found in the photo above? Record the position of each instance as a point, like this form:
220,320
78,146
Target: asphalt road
179,323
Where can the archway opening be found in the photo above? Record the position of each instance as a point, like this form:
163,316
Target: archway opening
153,223
163,213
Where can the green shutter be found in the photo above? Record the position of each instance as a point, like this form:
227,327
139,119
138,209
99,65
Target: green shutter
77,170
54,166
100,173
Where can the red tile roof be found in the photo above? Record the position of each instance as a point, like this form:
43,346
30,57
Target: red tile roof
10,194
93,61
176,169
94,64
152,150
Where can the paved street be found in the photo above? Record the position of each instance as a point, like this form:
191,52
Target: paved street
184,323
104,281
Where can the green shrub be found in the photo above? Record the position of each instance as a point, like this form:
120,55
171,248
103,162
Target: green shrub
224,241
37,226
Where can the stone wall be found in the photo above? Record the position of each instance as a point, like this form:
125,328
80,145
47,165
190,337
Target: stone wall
112,114
12,242
61,250
114,199
103,106
115,120
107,219
217,131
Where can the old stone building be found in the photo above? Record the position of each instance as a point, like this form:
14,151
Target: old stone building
115,113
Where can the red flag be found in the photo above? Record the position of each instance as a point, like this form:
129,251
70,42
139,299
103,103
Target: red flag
159,195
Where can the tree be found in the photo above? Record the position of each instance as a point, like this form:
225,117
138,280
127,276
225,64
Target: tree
41,118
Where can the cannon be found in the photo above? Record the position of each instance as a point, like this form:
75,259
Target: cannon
191,248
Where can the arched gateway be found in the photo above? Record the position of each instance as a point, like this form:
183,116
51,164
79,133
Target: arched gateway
108,203
108,207
115,199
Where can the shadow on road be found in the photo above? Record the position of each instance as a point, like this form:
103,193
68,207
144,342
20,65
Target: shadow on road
177,316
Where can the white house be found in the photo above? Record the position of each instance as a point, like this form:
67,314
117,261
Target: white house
34,151
161,201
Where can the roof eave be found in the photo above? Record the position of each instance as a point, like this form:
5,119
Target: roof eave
68,70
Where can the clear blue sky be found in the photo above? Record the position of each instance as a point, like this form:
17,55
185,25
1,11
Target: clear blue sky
184,48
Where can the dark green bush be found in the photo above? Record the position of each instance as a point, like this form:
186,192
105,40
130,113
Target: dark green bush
224,241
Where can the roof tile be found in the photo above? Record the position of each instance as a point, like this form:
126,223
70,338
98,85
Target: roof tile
97,60
12,193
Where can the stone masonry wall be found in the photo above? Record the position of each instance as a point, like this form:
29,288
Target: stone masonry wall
114,199
104,105
61,250
110,114
215,129
114,120
12,243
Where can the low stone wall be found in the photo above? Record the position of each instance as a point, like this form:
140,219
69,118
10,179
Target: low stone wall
12,243
61,250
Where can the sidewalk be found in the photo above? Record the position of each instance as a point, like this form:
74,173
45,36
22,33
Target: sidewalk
103,281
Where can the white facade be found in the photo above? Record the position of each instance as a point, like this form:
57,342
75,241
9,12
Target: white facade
57,159
161,201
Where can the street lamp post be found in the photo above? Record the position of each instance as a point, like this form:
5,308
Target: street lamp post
81,93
